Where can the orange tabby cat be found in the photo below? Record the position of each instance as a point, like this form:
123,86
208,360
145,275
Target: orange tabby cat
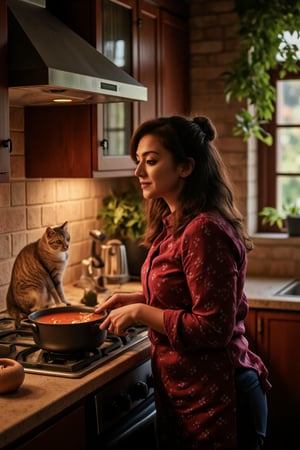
36,280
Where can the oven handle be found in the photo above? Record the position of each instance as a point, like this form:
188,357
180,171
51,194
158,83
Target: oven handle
145,418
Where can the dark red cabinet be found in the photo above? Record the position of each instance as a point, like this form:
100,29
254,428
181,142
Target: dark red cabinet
275,335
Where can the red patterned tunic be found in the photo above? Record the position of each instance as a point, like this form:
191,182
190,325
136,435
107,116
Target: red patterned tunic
198,279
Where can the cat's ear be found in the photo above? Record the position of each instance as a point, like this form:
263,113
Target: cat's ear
49,231
64,226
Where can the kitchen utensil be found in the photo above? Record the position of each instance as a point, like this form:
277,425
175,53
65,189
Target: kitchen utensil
63,338
114,256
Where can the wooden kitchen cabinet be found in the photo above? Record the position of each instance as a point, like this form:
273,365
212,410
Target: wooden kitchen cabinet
275,336
58,141
162,62
4,107
60,148
66,433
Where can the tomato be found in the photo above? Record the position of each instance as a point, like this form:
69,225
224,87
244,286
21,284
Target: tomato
11,375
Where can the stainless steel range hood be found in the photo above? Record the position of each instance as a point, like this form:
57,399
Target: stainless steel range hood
48,61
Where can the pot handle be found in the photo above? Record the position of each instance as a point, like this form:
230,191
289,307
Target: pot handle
27,323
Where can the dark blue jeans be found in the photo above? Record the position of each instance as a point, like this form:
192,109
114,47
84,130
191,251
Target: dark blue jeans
252,410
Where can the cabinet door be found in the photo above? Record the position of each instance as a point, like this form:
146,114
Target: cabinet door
251,330
58,141
174,86
4,150
67,433
148,51
278,343
116,41
163,61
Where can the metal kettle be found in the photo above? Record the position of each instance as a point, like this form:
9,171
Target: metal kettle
114,257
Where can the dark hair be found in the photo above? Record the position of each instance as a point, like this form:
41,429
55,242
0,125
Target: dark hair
207,188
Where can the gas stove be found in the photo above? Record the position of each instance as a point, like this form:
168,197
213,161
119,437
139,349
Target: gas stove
17,343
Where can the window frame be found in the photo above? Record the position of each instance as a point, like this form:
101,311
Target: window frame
267,178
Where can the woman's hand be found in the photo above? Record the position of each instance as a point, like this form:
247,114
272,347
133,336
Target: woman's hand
121,318
127,309
122,311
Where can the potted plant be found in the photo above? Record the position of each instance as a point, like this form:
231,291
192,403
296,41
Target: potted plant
288,216
123,217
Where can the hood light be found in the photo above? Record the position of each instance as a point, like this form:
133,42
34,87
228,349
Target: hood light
62,100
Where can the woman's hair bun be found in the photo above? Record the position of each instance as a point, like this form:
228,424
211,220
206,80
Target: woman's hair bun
206,127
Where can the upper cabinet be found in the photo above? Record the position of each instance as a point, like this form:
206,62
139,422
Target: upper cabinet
4,117
149,40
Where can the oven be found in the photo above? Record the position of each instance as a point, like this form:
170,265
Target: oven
122,414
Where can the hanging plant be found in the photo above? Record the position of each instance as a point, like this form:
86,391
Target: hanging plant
263,47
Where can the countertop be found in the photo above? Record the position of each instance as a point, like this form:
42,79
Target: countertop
42,397
261,294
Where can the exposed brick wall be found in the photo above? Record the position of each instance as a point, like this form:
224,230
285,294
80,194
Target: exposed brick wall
213,46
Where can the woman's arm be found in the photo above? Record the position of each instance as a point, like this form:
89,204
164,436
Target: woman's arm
128,309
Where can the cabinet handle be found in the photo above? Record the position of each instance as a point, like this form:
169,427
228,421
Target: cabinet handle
7,143
105,145
260,325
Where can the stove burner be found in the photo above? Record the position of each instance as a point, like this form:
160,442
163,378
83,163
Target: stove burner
61,358
18,343
7,323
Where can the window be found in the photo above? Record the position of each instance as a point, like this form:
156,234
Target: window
279,165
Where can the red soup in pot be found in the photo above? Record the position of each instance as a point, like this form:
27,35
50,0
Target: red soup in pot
68,317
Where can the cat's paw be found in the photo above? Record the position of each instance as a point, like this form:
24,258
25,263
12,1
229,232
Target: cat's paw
68,303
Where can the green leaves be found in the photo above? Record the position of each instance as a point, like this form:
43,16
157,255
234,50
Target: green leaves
123,215
248,124
273,216
263,47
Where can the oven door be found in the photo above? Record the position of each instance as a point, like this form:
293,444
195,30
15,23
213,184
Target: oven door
136,431
122,413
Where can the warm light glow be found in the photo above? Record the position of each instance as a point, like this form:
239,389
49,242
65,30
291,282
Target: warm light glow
62,100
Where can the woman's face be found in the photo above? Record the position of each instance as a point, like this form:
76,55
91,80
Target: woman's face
158,174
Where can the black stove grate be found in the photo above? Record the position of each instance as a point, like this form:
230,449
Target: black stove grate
18,343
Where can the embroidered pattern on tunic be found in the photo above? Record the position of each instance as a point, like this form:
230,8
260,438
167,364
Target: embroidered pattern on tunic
198,280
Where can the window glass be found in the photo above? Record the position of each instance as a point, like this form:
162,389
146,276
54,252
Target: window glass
117,39
288,141
288,155
288,102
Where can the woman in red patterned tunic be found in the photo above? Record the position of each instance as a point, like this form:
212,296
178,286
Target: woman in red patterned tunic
210,389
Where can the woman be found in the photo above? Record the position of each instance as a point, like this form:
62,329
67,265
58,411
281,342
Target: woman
193,298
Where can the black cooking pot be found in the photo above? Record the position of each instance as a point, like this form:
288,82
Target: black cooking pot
66,338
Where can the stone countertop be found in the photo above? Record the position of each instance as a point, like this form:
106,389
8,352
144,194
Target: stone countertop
42,397
261,294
